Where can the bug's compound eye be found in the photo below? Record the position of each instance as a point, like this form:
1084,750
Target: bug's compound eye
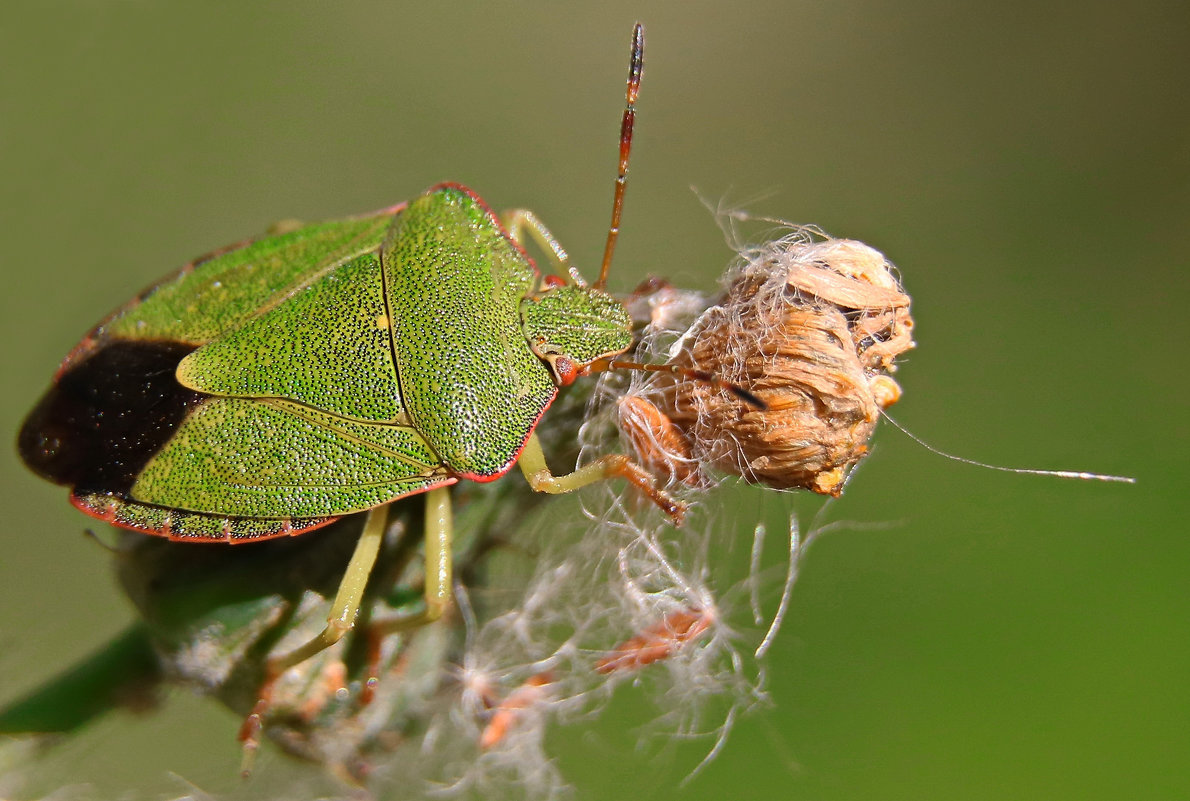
565,370
552,281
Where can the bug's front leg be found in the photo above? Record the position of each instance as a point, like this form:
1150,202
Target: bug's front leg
611,466
518,221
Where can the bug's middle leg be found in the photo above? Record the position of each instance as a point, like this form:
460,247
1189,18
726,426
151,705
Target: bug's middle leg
438,581
340,620
614,465
439,561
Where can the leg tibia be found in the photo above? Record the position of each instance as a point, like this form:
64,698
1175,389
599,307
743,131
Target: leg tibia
340,620
612,466
438,580
518,221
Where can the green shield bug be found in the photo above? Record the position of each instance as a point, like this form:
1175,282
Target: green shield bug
273,386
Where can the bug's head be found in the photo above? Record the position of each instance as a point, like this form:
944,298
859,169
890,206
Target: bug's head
576,327
569,327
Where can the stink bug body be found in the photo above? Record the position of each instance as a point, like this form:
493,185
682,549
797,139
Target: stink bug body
271,387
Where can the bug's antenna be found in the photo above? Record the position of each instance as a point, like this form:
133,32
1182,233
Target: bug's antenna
634,72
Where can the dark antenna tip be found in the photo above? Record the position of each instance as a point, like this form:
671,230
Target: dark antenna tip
636,68
747,397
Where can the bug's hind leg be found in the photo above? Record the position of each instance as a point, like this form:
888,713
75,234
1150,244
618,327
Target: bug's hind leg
339,622
611,466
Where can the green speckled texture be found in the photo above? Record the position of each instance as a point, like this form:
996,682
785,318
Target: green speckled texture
351,363
454,283
326,345
201,302
191,526
582,323
275,459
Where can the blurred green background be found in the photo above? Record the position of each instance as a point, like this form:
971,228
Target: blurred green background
1026,165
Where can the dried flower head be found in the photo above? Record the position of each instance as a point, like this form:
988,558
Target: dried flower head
810,327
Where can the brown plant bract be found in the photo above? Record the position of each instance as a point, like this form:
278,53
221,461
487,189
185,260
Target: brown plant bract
812,329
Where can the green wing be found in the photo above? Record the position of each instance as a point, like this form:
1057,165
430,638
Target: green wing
277,459
202,300
327,345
